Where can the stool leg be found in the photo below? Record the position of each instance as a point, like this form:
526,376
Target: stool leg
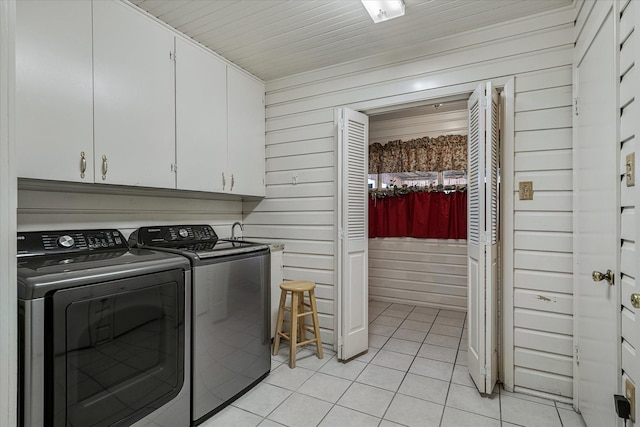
301,333
276,342
316,326
293,341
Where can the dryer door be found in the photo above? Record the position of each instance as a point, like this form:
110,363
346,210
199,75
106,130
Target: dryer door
117,349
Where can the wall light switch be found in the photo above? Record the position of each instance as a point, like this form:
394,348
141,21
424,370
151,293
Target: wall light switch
526,190
630,394
631,170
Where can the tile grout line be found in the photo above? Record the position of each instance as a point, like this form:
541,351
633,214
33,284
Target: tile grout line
406,372
446,399
558,412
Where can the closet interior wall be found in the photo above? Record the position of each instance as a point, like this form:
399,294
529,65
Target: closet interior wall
406,270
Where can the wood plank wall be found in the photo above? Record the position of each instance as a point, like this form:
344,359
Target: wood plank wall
542,234
426,272
431,124
301,154
8,202
63,206
628,13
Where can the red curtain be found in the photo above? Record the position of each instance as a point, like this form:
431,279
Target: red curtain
434,215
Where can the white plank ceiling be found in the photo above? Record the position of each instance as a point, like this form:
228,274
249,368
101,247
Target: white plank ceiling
277,38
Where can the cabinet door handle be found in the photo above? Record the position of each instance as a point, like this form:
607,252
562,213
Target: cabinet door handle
83,164
233,181
224,181
105,167
598,276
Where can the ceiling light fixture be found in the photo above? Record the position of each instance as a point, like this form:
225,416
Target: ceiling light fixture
383,10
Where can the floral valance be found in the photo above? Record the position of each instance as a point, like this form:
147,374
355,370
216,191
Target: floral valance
445,152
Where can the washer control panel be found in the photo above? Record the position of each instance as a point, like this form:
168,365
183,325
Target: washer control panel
56,242
172,235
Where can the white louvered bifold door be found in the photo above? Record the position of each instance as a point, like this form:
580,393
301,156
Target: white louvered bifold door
353,331
482,236
491,246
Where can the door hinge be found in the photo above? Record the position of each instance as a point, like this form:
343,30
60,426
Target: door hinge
575,106
576,350
485,238
174,167
341,124
340,234
172,56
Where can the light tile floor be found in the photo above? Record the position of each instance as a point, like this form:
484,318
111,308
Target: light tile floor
414,374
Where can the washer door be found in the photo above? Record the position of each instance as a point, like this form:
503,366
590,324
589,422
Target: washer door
117,349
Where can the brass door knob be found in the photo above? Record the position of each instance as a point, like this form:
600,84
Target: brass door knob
598,276
635,300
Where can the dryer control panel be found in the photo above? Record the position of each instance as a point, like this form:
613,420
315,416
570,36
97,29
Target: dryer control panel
69,241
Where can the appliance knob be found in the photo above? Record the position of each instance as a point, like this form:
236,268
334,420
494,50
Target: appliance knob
65,241
183,232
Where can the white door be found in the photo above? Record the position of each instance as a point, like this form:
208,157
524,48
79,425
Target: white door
482,242
246,130
201,118
54,90
352,194
133,98
595,216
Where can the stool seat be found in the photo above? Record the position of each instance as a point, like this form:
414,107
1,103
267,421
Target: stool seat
297,286
296,335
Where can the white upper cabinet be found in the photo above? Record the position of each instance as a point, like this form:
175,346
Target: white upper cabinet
54,93
246,134
201,119
133,98
105,94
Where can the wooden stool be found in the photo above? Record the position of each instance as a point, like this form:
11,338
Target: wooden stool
298,313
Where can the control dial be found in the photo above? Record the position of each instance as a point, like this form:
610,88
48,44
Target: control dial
183,232
65,241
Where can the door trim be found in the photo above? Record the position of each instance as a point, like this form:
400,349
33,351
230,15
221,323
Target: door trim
8,218
507,209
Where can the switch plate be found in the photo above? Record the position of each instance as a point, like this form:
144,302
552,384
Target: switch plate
630,172
630,394
526,190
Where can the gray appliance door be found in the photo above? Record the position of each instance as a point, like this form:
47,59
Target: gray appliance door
231,341
118,349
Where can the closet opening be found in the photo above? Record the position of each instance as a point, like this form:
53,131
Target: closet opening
417,213
433,218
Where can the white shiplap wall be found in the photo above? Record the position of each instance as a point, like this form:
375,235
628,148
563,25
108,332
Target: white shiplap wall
542,273
426,272
8,202
47,206
542,234
431,124
300,204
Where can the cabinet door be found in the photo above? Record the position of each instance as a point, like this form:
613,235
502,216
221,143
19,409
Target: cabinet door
201,119
245,109
134,106
54,93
